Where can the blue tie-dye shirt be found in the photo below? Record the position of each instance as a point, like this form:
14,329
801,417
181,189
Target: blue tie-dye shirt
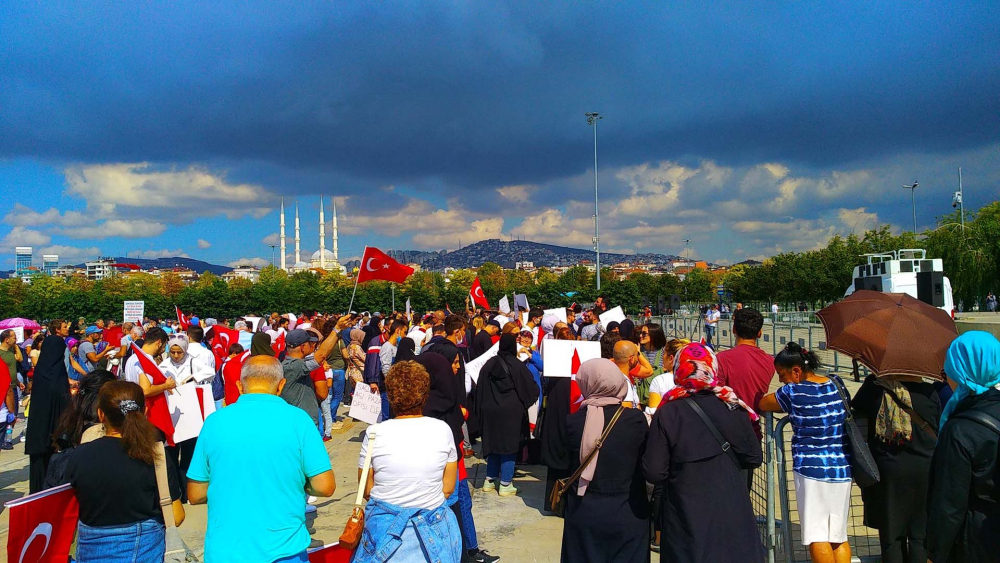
817,415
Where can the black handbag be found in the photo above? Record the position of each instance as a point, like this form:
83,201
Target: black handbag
863,466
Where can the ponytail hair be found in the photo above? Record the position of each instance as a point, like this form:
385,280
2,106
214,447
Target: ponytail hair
123,405
794,355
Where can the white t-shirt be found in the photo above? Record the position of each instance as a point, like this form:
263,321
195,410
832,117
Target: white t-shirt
660,385
132,369
632,396
202,354
774,308
409,459
712,315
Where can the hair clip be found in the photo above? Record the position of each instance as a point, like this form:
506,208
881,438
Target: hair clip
127,406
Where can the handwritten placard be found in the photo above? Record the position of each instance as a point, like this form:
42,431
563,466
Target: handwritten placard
366,405
560,312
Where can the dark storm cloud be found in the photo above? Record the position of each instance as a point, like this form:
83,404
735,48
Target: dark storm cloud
487,95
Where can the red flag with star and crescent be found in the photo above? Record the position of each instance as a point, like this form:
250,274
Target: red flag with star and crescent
575,395
221,339
157,410
377,265
42,525
476,292
182,319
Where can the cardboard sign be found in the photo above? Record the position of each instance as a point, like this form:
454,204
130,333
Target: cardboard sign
185,411
560,312
504,305
18,333
134,311
615,314
366,406
473,368
557,355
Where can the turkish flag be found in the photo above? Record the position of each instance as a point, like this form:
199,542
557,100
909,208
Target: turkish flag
221,339
477,294
231,370
331,553
42,526
575,395
376,265
279,344
157,410
113,336
181,319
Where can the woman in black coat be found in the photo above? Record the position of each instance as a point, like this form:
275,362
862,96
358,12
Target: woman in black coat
503,394
902,448
49,398
607,512
705,510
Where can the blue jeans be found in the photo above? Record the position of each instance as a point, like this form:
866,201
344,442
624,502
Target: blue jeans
336,394
141,542
710,335
468,524
386,410
408,535
502,465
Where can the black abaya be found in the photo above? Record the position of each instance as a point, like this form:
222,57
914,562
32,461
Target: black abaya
502,400
610,522
49,398
554,441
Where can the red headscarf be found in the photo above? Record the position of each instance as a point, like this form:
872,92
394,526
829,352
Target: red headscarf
696,369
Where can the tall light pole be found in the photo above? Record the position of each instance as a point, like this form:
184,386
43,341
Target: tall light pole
913,202
273,246
957,200
592,119
687,250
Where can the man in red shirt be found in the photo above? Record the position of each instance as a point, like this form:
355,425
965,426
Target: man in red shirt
746,368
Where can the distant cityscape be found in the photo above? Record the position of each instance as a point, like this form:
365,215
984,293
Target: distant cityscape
511,255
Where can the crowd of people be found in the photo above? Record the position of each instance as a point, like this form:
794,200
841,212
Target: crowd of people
649,448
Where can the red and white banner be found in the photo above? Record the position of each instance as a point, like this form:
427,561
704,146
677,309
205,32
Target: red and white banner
157,410
377,265
279,344
42,526
477,294
181,318
221,338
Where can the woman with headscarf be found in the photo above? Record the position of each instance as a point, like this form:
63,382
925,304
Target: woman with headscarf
372,330
184,368
405,351
627,330
49,398
355,360
963,512
607,512
558,392
902,446
704,488
260,345
504,392
547,329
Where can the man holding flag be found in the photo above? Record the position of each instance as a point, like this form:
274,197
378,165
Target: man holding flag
142,370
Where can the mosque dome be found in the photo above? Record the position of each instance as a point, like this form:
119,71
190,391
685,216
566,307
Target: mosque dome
326,253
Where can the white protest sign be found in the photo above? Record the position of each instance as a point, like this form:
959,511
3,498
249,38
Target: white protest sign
615,314
504,305
253,322
185,412
366,405
134,311
560,312
557,355
18,333
473,368
502,320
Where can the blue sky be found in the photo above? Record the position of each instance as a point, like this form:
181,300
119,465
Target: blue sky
174,128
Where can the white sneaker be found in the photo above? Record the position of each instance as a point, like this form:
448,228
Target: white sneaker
311,500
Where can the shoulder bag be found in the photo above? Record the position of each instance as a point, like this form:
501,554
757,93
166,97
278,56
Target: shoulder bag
351,537
176,550
982,418
560,487
863,467
726,447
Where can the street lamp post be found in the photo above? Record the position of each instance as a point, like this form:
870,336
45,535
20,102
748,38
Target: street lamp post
958,200
273,246
592,118
913,202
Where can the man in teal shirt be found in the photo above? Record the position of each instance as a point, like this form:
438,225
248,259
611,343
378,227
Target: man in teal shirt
256,490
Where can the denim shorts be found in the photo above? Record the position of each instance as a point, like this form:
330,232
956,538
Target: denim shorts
140,542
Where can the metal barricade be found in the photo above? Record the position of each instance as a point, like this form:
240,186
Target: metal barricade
864,541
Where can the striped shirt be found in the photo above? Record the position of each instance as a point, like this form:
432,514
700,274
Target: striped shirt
817,415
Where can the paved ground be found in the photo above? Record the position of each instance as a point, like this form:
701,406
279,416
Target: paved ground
512,527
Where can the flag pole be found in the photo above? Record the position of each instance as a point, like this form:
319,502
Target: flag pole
393,287
356,279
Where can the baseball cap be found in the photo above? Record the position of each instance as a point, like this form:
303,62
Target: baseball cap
298,337
91,330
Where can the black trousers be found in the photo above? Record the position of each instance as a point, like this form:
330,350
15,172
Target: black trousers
180,455
38,467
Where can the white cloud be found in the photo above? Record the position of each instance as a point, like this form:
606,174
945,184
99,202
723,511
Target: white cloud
27,217
71,254
255,262
203,244
476,231
141,190
20,236
516,194
272,238
115,228
164,253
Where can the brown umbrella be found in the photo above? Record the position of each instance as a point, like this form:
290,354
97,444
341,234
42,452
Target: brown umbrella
891,333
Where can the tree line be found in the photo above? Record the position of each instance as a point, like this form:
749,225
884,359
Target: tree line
817,277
